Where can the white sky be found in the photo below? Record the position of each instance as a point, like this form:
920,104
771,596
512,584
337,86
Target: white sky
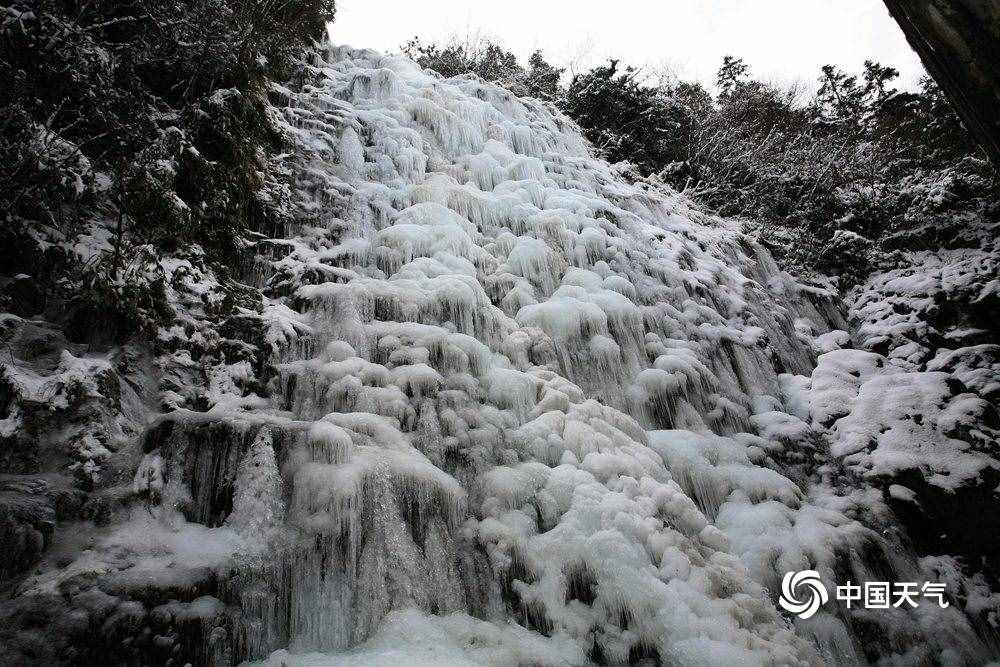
781,40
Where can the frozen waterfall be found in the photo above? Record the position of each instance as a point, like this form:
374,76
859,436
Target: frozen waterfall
526,411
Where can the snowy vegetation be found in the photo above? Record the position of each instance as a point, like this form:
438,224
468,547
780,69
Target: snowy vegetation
151,115
333,359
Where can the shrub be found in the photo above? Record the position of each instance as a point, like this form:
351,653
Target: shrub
150,115
491,62
112,303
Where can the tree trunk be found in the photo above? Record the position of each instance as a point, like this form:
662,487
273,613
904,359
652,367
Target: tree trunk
120,227
959,44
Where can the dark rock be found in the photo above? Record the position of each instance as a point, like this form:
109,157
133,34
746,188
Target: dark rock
125,622
24,296
959,43
96,603
27,520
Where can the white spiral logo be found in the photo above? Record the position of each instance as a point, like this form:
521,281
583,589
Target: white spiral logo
808,579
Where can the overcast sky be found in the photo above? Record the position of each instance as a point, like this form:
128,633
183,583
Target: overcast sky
782,40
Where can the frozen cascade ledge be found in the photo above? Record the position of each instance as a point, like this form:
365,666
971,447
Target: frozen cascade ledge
527,412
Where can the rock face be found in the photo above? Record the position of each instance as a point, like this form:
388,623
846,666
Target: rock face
959,44
516,409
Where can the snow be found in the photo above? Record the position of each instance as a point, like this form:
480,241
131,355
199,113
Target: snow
899,424
145,551
458,640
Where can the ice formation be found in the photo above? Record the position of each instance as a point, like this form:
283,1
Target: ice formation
528,411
